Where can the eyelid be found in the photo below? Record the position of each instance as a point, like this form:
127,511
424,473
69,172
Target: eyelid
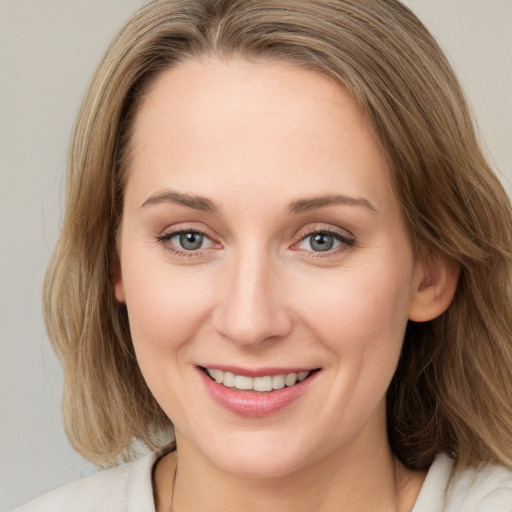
346,239
165,237
205,239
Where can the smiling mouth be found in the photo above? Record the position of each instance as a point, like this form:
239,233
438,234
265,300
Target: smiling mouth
263,384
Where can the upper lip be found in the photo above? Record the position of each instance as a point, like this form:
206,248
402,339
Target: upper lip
259,371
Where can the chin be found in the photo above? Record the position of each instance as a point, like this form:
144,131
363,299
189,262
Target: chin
261,455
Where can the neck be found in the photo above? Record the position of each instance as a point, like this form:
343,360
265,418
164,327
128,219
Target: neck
361,478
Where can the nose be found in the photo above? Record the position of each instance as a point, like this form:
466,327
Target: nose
251,308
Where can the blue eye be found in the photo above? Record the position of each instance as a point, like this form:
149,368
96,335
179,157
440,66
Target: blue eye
188,240
324,241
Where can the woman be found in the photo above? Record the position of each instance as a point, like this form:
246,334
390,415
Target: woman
282,237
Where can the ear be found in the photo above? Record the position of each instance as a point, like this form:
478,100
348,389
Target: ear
435,282
118,281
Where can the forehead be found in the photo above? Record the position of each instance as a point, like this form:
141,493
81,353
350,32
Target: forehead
255,121
247,94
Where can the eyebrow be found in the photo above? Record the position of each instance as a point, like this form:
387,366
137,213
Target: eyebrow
315,203
189,200
295,207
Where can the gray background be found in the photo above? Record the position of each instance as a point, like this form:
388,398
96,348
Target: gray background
48,50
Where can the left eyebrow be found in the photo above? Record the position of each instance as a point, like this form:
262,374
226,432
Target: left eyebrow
314,203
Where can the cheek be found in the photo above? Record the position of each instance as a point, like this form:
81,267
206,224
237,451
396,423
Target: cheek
166,309
358,310
166,306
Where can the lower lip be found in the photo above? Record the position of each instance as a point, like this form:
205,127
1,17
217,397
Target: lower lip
252,403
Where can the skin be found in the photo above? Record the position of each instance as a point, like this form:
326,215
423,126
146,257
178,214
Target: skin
254,139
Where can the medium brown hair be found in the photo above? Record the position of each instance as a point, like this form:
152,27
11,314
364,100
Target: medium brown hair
452,390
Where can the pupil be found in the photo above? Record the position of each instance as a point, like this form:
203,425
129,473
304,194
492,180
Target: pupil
322,242
191,241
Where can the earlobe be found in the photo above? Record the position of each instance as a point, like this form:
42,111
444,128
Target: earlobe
118,283
119,291
434,287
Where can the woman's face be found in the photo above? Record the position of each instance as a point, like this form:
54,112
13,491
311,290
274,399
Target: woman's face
261,240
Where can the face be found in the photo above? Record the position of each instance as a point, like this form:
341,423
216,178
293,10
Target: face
265,265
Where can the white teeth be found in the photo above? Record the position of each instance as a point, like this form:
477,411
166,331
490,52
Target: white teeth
261,384
242,382
290,379
228,379
278,382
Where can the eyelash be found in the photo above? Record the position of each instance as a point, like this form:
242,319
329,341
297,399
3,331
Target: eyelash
346,242
165,239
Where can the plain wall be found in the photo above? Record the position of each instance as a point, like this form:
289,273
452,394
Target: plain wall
48,51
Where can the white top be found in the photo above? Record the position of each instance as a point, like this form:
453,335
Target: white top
128,488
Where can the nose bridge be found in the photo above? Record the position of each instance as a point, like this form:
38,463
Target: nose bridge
252,309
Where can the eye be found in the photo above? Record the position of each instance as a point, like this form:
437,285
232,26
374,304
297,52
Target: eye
186,241
324,241
190,241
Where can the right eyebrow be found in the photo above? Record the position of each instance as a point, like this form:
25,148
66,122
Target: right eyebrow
189,200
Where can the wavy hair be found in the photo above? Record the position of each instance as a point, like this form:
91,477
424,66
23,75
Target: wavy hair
452,390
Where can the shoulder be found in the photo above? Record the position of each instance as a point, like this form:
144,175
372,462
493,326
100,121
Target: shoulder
124,488
487,488
484,489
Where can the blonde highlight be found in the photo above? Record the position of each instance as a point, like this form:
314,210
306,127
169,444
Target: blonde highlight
452,390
